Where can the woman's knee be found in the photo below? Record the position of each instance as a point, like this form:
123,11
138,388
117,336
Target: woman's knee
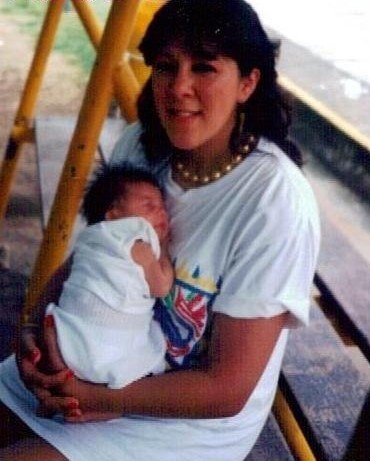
12,428
31,449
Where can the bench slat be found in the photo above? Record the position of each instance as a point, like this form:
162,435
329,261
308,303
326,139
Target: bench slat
343,277
325,388
271,444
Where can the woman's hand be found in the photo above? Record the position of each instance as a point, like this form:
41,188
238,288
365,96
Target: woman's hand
61,392
57,390
39,362
32,359
29,358
78,401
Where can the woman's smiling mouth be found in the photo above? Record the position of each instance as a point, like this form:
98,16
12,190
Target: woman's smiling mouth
181,113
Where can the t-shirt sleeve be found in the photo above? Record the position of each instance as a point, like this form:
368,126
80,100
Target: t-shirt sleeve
272,262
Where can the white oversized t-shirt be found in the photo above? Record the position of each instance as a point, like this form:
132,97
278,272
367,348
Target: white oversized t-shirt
245,245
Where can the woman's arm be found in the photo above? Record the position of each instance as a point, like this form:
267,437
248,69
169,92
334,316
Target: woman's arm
30,353
52,291
240,350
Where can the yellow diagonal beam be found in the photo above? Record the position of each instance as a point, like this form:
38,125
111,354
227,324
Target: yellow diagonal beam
291,430
126,85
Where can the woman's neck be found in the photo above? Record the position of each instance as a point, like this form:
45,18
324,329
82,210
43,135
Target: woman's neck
202,160
194,169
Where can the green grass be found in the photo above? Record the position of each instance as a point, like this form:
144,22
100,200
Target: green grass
71,38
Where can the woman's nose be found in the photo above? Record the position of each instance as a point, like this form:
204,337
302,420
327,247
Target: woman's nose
182,82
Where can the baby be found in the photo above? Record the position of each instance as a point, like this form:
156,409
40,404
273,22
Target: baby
105,330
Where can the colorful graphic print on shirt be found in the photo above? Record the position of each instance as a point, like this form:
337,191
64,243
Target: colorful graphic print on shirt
184,315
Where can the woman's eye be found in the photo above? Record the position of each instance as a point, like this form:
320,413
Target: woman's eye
161,67
203,68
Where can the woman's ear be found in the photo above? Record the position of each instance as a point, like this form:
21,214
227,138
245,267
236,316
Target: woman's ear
248,84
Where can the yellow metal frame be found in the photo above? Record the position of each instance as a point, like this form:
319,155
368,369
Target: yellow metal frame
130,74
118,70
22,127
126,85
291,430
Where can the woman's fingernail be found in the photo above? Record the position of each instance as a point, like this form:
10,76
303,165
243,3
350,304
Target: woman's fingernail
69,374
49,321
73,405
34,356
74,412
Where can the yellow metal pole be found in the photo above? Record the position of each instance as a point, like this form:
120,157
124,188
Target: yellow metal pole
126,86
145,14
291,430
89,20
21,130
83,146
126,90
131,73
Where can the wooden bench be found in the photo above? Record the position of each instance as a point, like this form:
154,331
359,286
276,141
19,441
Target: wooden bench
343,277
321,380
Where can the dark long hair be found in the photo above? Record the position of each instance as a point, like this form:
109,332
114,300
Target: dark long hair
230,28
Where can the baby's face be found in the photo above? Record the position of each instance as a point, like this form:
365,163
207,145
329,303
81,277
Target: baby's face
144,200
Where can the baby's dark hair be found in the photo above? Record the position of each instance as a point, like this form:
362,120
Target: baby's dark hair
107,185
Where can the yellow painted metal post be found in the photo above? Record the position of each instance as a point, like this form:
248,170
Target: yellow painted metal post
145,14
126,86
83,146
131,73
291,430
23,119
126,90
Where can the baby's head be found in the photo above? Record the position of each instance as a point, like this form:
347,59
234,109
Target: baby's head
122,192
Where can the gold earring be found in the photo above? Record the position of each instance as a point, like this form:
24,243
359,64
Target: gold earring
241,124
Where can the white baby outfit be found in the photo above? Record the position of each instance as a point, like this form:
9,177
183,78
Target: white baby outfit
104,322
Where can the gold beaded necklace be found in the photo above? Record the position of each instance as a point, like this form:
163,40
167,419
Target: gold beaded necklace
198,180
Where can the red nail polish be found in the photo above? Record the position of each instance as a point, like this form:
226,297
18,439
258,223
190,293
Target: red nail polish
73,413
69,374
73,405
49,321
33,356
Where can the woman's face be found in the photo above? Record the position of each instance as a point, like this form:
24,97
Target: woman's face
196,98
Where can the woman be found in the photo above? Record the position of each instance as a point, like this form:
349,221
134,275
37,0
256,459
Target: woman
245,232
